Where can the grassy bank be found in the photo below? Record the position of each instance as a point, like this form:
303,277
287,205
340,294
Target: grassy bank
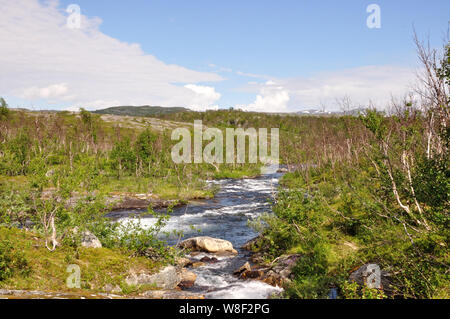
25,264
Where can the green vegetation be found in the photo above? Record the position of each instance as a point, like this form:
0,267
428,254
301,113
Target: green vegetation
383,199
58,171
372,188
26,264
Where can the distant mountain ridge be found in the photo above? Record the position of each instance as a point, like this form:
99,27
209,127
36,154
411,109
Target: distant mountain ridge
145,110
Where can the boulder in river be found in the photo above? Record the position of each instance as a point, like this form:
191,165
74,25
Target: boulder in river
168,278
208,244
187,279
197,264
243,268
209,260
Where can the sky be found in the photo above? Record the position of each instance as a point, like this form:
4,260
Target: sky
256,55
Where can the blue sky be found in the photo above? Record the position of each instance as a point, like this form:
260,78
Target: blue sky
268,55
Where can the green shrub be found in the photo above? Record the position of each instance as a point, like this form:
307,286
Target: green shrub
11,261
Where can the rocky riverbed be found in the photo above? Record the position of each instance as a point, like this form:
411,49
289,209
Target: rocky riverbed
223,218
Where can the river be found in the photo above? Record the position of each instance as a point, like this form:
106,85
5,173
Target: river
226,216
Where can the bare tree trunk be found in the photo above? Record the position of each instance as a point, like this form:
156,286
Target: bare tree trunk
413,193
53,236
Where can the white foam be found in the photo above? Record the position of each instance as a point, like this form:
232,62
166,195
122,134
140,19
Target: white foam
240,200
245,290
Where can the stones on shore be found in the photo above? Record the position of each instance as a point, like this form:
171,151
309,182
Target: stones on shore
108,288
172,278
277,274
171,294
183,262
32,294
208,244
120,201
168,278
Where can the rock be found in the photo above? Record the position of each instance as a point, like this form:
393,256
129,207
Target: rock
112,289
243,268
283,170
121,201
183,262
252,274
88,239
257,258
171,294
274,279
188,279
208,244
281,272
168,278
208,260
372,276
277,274
27,294
198,264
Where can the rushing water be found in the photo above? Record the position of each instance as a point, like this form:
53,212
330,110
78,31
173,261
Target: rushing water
225,217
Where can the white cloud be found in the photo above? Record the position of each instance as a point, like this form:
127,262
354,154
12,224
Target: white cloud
40,57
362,85
204,97
272,98
51,92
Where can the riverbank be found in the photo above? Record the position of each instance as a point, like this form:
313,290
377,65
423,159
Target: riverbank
226,216
104,270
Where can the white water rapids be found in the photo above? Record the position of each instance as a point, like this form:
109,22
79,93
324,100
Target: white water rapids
225,217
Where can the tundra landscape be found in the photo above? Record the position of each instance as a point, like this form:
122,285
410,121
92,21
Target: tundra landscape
192,200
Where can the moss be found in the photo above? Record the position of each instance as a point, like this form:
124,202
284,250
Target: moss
48,270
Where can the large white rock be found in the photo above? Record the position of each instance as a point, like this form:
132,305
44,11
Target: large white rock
88,239
208,244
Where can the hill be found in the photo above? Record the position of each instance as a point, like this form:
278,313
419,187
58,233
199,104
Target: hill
145,110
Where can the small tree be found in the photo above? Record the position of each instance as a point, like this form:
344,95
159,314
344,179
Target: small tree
145,149
4,111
